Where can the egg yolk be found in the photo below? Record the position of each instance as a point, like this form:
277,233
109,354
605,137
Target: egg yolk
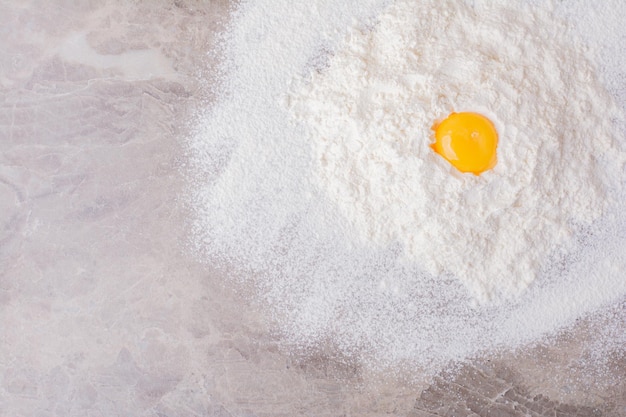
468,141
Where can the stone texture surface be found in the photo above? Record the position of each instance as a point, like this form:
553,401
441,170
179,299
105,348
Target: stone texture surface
102,312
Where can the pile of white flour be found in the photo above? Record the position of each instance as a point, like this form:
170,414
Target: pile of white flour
312,180
372,107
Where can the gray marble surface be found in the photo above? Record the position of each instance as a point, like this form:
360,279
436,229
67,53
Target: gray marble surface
102,310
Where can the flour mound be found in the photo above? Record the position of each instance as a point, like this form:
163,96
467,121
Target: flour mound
370,109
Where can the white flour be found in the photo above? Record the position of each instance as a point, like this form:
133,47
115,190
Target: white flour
371,112
267,208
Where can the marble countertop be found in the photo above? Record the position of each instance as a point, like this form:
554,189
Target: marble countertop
102,310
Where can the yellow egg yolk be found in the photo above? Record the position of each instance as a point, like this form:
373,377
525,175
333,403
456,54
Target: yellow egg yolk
468,141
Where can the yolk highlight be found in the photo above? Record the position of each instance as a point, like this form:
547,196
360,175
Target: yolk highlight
468,141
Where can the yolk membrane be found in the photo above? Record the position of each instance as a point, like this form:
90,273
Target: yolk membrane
468,141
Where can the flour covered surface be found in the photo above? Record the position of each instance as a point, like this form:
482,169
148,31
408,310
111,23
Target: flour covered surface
314,179
370,113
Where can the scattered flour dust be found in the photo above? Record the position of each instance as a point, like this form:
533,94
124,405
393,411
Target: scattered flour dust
313,179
